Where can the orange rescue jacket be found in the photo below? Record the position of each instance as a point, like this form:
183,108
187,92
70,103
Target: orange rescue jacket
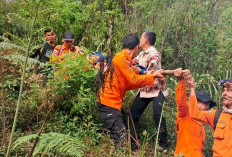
124,78
58,55
223,133
60,52
190,133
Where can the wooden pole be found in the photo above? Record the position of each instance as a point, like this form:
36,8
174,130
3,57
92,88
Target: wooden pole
171,72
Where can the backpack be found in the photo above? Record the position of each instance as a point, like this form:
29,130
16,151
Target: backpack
217,115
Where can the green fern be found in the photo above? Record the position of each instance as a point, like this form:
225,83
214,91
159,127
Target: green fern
14,39
54,143
18,58
24,139
7,45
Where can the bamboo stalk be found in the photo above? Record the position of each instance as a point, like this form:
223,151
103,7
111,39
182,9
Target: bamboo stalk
22,82
40,131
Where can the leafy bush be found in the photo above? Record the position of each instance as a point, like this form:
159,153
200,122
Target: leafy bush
78,90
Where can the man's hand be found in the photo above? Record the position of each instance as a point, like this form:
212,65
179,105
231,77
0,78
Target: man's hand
190,81
78,50
178,73
157,74
150,65
151,72
185,72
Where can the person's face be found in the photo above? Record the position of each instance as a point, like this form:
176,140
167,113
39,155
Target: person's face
227,95
68,44
50,36
202,106
143,40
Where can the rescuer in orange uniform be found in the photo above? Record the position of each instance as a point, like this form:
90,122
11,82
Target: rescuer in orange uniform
190,133
118,78
67,49
222,123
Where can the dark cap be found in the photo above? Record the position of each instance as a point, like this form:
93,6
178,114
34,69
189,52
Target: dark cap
68,36
222,82
204,97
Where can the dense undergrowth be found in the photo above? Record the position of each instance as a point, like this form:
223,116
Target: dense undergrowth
190,34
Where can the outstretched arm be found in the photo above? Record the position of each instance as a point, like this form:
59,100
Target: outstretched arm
135,81
206,117
181,96
181,99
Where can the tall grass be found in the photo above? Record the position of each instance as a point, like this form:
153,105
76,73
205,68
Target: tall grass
157,136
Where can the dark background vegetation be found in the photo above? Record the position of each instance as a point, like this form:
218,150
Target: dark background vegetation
192,34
